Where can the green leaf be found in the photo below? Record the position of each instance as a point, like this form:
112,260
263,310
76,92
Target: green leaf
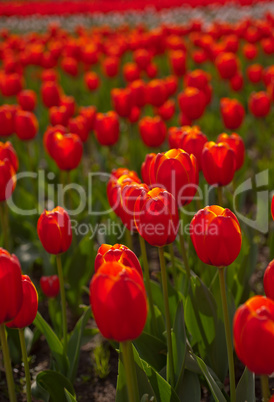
74,344
245,390
215,390
69,396
179,342
151,349
55,384
189,388
144,385
54,343
163,390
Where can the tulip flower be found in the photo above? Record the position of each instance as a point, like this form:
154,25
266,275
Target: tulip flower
167,110
253,330
156,92
11,84
69,103
131,72
50,285
118,301
259,104
250,51
110,66
142,58
237,82
232,113
92,80
128,196
236,143
138,92
7,179
49,137
254,73
70,66
178,62
51,94
58,115
27,100
122,101
227,65
79,126
117,253
26,125
107,128
89,113
6,120
175,135
177,172
145,169
7,152
11,293
156,217
67,150
268,280
192,141
216,235
152,130
192,102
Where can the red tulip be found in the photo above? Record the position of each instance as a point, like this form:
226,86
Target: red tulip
6,120
192,141
7,152
66,150
192,103
110,66
156,217
253,330
142,58
11,292
131,72
152,130
269,280
177,172
259,104
237,144
175,135
51,94
70,66
49,137
218,163
7,179
107,128
167,110
171,84
151,70
146,166
29,306
11,84
178,62
118,301
216,235
156,92
50,285
79,125
69,103
54,230
227,65
129,192
138,91
89,113
237,82
92,80
232,113
58,115
117,253
26,125
122,101
27,100
250,51
254,73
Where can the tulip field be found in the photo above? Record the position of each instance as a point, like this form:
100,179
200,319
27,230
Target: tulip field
137,201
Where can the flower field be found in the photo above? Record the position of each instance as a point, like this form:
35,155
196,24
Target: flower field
136,201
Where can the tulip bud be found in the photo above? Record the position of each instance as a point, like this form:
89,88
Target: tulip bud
236,143
152,130
259,104
29,306
192,103
26,125
216,235
107,128
27,100
118,301
7,152
232,113
54,230
66,150
50,285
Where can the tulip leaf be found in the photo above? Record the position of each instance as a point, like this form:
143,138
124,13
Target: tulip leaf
144,385
53,341
179,342
55,384
163,390
152,350
215,390
74,344
69,396
189,387
245,390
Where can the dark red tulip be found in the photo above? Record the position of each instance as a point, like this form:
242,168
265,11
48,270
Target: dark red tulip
27,100
51,94
111,66
156,92
92,80
70,66
58,115
178,62
131,72
237,82
138,91
122,101
50,285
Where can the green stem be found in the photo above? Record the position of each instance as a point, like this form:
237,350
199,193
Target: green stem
170,365
63,301
227,335
172,258
130,371
220,195
265,388
5,227
7,363
26,363
183,249
147,281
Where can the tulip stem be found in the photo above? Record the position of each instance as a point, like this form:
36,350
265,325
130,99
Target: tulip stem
220,195
26,363
63,301
227,335
130,371
265,388
7,363
148,287
183,249
5,226
170,364
172,258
